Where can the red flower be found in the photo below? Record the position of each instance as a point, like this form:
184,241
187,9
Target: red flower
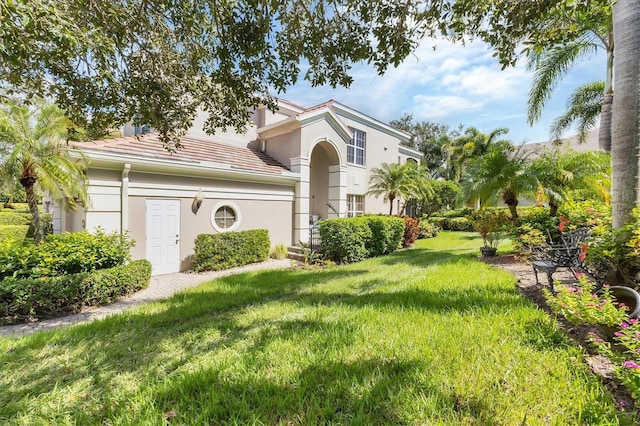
563,223
583,252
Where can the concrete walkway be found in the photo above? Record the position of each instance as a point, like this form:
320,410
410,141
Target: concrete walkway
160,287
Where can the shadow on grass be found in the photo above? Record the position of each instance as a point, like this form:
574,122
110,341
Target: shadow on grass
354,392
203,322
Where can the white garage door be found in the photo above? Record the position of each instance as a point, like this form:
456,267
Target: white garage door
163,236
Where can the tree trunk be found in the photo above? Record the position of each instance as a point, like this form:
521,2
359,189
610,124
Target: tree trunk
391,205
32,201
626,110
553,209
604,135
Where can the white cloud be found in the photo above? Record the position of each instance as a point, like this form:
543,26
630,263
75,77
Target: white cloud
432,108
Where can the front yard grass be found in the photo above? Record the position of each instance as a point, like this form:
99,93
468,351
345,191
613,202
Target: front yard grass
423,336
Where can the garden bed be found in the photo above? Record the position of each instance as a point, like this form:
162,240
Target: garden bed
579,333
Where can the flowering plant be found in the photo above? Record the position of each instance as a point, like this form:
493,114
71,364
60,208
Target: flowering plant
583,305
491,224
627,361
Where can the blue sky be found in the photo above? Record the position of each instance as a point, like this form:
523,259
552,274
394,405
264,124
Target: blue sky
453,84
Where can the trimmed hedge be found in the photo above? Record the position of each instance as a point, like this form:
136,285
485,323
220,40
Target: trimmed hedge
348,240
214,252
9,217
386,232
40,298
345,239
14,232
63,254
451,223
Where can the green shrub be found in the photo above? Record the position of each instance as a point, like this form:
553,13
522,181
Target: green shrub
536,218
280,251
13,232
348,240
427,229
41,298
214,252
584,214
411,231
386,234
345,240
9,217
461,212
445,195
460,224
107,285
437,221
64,254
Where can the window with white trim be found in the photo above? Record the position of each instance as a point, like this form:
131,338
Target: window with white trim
225,216
356,147
355,205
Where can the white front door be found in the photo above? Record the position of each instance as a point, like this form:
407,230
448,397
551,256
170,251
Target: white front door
163,236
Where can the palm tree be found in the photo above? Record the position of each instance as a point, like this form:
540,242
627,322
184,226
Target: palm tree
626,110
559,175
552,63
395,181
500,174
469,146
33,138
584,106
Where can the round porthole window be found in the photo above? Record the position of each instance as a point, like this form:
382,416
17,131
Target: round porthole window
225,217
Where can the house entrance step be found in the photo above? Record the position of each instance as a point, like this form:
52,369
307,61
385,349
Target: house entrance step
295,253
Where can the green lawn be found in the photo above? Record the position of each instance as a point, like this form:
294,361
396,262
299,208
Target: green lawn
424,336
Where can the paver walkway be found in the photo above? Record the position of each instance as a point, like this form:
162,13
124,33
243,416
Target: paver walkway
160,287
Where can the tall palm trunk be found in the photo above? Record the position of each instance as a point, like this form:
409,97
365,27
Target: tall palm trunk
626,110
604,135
553,209
32,201
391,198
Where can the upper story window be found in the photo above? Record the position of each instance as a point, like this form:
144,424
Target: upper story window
356,147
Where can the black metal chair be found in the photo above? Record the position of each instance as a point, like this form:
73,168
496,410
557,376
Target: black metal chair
548,258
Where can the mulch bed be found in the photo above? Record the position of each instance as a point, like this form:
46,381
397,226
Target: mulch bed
526,283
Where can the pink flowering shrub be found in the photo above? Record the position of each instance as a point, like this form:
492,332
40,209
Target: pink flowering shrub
626,360
583,306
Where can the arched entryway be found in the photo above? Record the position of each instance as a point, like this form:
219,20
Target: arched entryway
327,189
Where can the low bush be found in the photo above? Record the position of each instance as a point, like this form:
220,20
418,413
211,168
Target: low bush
280,251
214,252
460,224
9,217
427,229
386,234
451,223
63,254
13,232
345,240
40,298
411,231
437,221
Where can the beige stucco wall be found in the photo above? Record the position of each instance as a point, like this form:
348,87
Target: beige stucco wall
229,136
275,216
380,148
284,147
261,205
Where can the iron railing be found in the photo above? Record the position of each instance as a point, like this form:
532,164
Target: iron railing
314,238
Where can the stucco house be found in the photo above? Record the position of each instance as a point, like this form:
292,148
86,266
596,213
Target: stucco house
290,169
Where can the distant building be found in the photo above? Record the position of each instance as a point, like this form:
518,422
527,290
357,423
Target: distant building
567,144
